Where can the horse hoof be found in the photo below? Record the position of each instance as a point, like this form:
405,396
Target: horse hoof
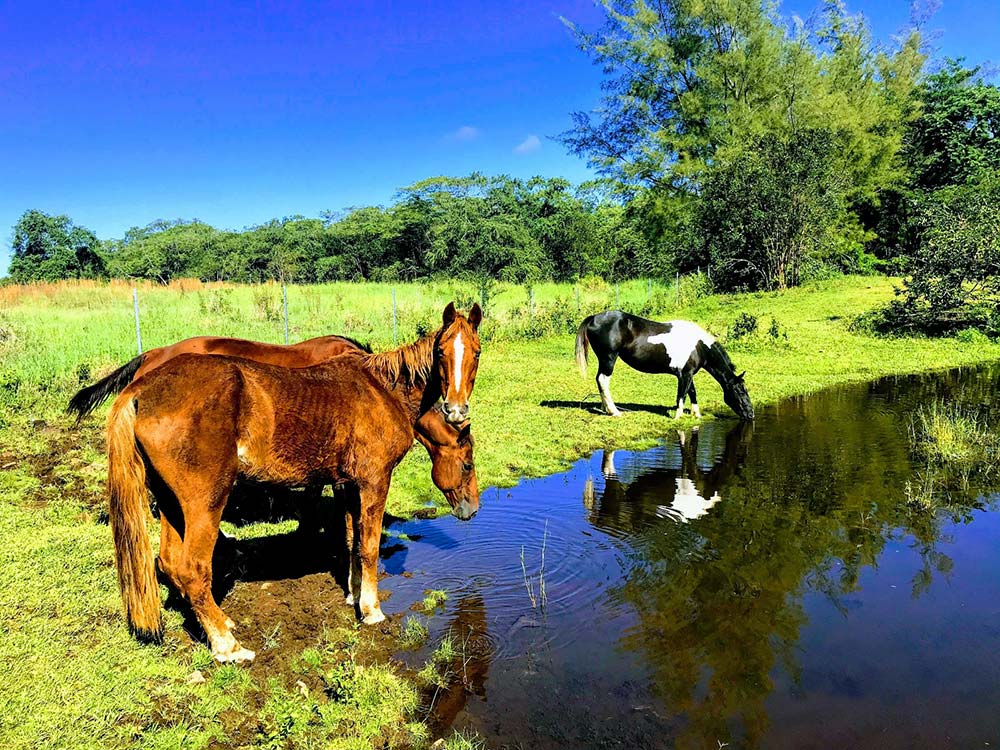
614,413
235,656
374,618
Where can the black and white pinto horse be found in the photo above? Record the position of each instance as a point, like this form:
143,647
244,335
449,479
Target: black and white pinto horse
678,347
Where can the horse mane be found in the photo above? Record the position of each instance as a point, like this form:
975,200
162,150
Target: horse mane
410,363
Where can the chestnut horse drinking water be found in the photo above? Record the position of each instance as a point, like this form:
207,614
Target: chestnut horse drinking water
679,347
187,429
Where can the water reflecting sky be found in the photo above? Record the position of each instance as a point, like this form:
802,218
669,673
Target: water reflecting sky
767,586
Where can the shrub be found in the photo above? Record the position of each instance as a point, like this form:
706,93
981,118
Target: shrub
744,326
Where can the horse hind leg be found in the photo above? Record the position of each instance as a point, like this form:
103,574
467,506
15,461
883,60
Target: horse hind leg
605,370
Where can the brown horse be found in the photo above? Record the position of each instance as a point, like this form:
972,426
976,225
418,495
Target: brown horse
302,354
188,428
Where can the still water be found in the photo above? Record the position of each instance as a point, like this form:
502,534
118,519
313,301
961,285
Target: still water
765,586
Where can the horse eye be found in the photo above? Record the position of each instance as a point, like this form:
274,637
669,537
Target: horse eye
477,355
467,467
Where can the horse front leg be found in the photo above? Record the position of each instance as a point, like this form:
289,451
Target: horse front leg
372,507
695,410
684,383
346,511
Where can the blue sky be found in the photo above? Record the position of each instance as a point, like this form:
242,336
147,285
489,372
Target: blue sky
118,114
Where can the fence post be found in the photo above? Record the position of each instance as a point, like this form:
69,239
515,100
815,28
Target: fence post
284,296
135,305
395,328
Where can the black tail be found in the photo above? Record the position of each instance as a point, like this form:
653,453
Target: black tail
89,398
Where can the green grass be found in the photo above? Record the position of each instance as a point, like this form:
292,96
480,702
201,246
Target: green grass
954,434
73,678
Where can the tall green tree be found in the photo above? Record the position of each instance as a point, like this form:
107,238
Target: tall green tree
47,248
690,82
956,138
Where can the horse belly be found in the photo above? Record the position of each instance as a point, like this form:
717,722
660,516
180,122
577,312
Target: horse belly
648,358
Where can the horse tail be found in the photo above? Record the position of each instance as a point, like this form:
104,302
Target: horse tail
581,345
89,398
128,509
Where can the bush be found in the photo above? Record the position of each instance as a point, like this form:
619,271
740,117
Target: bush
774,209
743,327
954,275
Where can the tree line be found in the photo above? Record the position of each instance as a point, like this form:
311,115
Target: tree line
764,148
468,227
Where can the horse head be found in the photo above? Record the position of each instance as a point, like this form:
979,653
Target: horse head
457,360
734,393
453,464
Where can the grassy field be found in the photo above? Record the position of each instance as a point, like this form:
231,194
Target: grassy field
73,676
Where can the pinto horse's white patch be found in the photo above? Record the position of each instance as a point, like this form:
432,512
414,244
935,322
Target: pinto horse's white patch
680,341
459,354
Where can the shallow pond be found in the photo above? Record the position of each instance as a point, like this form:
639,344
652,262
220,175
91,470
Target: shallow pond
773,586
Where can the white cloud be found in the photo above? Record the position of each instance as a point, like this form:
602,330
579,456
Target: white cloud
465,133
529,144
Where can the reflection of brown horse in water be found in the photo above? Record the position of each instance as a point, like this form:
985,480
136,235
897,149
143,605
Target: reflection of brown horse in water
191,426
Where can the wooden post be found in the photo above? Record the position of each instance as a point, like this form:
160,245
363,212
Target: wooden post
135,305
284,295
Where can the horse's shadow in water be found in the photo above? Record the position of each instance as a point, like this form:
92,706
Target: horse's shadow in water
661,409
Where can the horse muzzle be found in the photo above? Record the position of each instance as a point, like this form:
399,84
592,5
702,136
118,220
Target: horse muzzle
464,510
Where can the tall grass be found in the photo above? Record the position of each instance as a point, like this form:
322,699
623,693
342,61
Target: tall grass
954,434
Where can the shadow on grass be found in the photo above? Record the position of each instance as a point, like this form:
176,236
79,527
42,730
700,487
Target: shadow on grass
660,409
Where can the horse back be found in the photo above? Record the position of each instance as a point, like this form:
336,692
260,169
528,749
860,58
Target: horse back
277,424
303,354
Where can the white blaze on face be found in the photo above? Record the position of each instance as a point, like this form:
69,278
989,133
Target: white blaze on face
680,341
459,354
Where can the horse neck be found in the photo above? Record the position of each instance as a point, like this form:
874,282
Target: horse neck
407,373
719,367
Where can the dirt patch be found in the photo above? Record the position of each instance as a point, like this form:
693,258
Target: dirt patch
64,466
280,619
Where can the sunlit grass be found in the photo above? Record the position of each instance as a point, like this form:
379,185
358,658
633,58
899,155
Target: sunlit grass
955,434
72,675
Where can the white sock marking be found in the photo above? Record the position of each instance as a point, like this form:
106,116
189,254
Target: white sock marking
609,404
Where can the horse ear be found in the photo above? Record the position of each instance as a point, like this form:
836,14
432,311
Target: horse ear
449,314
475,316
740,376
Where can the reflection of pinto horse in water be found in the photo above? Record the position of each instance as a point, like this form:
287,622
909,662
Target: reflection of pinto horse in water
637,494
678,347
190,427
